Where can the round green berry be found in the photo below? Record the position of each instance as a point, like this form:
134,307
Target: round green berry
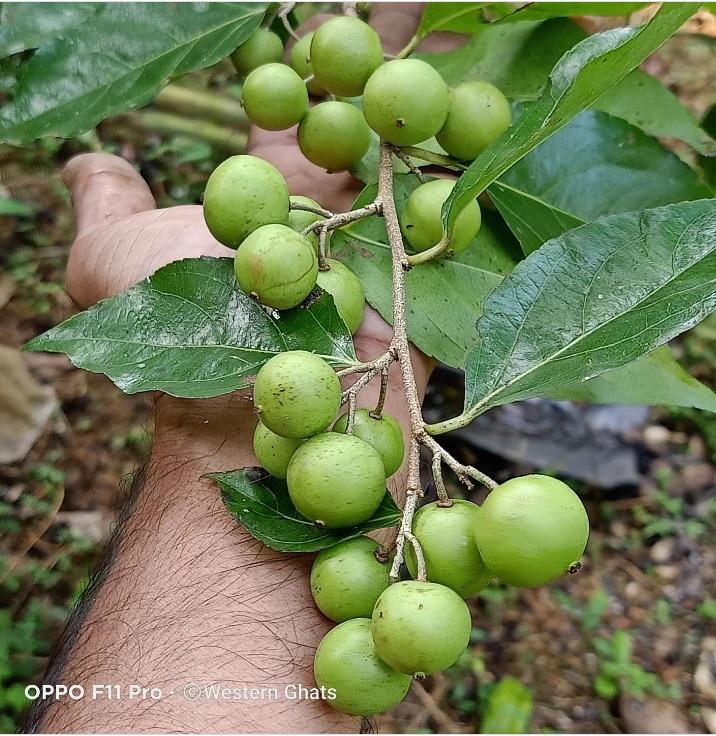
275,97
273,451
446,535
384,434
346,664
347,292
347,579
531,530
242,194
345,51
334,136
277,266
479,114
297,394
421,221
301,63
261,47
406,101
336,480
299,220
420,627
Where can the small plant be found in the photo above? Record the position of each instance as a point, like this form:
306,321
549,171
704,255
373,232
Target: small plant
593,279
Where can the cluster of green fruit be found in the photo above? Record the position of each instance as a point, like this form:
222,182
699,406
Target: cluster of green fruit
404,101
529,531
247,207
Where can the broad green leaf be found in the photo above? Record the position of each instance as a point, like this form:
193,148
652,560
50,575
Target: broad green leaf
592,300
14,208
508,708
189,331
578,80
261,505
443,297
118,60
517,57
25,26
542,11
455,17
597,165
657,379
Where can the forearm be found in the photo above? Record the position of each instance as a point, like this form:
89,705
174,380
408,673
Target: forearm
188,596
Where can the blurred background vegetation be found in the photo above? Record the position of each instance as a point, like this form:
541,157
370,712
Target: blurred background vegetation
627,645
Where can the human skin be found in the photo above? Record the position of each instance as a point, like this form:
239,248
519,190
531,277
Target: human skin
185,594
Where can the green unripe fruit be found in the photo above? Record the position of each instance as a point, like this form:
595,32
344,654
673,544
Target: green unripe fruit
420,627
299,220
347,579
406,101
297,394
274,97
383,434
421,223
452,558
261,47
346,662
242,194
301,63
273,451
276,265
336,480
347,292
479,114
531,530
345,51
334,136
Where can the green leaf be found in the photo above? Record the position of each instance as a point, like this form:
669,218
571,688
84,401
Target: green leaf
189,331
542,11
578,80
592,300
657,379
25,26
508,708
455,17
118,60
517,57
596,165
261,504
14,208
443,297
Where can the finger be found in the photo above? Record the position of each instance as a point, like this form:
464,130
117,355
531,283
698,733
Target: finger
395,23
104,188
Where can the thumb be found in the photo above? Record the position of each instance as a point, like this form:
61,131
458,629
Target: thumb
104,188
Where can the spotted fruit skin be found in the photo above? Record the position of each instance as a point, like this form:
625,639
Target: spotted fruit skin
347,663
297,394
274,97
301,63
421,221
276,265
273,451
406,101
531,529
347,292
336,480
479,114
384,434
345,51
242,194
420,627
348,578
334,135
451,554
